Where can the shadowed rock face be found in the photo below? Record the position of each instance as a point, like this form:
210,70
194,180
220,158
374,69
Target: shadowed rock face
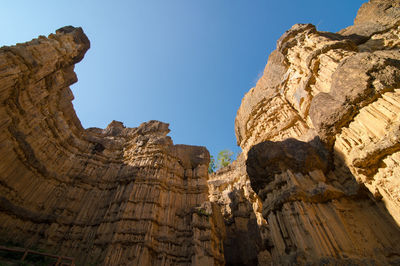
319,132
268,158
317,181
241,208
339,89
109,196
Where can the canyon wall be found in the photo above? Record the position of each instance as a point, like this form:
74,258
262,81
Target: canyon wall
114,196
318,178
317,181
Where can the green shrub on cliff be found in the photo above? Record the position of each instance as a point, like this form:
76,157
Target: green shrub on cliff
224,158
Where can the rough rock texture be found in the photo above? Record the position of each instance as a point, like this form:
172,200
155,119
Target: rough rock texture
320,136
317,182
241,209
114,196
315,215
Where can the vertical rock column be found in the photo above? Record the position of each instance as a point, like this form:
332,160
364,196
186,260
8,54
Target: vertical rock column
315,215
166,218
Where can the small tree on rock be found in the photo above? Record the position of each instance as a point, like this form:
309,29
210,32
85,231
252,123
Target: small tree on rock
224,158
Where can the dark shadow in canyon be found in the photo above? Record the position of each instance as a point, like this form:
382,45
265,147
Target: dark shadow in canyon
266,166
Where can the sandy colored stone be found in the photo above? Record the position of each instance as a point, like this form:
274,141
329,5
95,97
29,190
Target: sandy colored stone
317,182
320,139
113,196
241,210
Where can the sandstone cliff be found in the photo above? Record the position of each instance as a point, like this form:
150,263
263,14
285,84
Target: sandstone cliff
319,172
117,196
317,181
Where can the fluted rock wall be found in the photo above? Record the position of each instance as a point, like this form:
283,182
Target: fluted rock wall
317,181
320,139
114,196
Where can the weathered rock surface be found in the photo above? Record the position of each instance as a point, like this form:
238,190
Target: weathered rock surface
317,182
114,196
320,139
241,209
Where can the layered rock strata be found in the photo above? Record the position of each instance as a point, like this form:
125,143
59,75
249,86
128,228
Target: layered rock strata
320,140
316,183
316,215
114,196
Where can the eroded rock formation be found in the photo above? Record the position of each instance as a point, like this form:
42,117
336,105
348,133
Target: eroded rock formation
117,196
241,209
317,181
320,139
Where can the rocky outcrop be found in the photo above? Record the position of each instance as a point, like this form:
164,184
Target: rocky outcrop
114,196
315,215
320,139
317,181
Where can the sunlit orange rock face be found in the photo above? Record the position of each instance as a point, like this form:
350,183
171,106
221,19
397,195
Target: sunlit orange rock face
317,181
114,196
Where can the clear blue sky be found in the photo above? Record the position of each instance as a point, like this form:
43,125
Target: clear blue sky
185,62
